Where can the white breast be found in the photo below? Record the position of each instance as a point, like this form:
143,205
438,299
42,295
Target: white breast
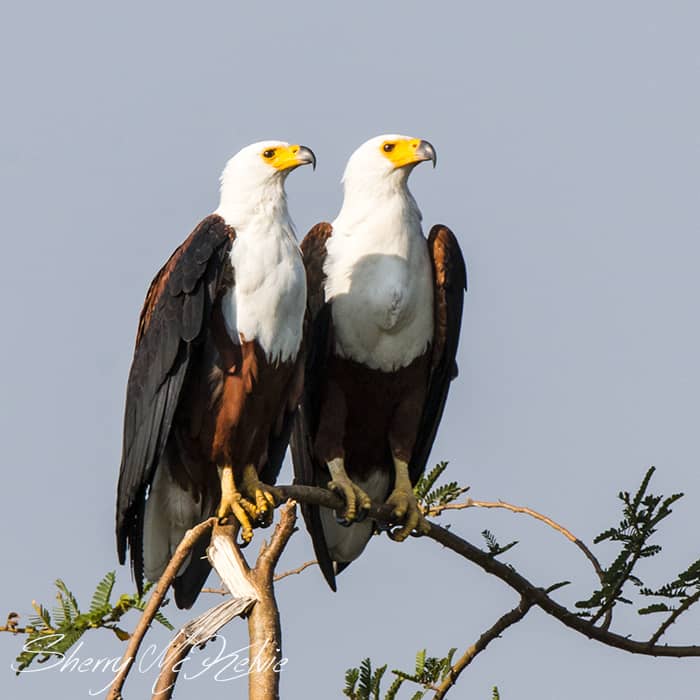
381,286
268,299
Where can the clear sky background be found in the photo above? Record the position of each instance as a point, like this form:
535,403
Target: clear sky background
568,141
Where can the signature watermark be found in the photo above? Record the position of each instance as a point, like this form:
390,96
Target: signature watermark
224,666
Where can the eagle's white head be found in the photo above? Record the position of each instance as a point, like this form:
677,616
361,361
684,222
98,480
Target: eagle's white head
386,161
377,173
253,180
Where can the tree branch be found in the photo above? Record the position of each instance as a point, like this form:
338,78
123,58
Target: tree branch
278,577
674,616
195,633
293,572
471,503
154,602
321,497
502,624
264,629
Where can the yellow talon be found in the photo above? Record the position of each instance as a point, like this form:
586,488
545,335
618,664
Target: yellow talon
233,503
405,505
357,502
259,495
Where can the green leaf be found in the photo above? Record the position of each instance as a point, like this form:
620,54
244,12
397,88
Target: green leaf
365,679
351,677
426,482
420,663
393,689
42,620
654,608
100,598
71,602
494,548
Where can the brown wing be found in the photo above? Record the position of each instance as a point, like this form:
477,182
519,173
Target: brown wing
319,337
450,279
177,308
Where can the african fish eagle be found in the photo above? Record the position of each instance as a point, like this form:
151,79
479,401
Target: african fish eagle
386,308
217,372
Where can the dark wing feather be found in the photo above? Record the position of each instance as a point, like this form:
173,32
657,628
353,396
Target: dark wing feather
177,306
318,342
450,279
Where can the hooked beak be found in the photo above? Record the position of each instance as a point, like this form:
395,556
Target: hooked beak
305,156
425,151
290,157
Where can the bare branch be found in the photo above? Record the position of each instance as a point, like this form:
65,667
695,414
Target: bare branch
255,588
219,591
264,628
674,616
321,497
195,633
278,577
471,503
270,554
161,588
178,650
293,572
502,624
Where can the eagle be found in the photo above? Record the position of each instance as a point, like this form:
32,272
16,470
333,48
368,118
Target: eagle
386,310
217,373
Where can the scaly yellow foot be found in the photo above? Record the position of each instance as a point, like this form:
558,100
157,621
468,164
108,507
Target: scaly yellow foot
259,495
405,505
357,502
233,502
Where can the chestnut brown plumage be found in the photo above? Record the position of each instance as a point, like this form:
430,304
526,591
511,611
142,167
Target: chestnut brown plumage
195,400
364,414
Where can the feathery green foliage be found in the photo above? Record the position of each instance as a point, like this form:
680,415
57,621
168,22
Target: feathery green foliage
429,497
364,684
684,589
47,637
494,548
641,515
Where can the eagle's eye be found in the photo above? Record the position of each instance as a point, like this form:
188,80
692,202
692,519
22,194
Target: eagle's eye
389,147
269,153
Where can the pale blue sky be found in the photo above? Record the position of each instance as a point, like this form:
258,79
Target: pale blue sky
568,145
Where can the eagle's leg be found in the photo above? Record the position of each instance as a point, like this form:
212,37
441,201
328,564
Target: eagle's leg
357,502
403,500
258,494
233,502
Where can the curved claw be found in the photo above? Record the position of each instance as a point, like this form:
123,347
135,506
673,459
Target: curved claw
338,490
239,509
357,502
233,503
261,499
362,514
407,512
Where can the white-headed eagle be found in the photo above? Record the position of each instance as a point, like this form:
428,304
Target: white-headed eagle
217,372
386,309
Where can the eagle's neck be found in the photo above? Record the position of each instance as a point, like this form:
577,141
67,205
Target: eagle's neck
245,207
267,300
371,200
